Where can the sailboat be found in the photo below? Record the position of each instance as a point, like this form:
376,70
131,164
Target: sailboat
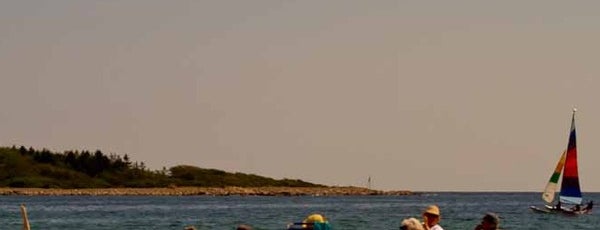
570,192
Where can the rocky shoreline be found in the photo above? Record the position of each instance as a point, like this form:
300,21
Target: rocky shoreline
203,191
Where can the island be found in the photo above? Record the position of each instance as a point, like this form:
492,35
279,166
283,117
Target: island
27,171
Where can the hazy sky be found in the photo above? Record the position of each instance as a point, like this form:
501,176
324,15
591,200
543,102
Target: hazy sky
419,95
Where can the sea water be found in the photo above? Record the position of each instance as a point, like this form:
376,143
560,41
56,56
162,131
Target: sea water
459,211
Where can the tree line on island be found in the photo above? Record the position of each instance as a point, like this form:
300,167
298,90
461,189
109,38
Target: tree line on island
30,168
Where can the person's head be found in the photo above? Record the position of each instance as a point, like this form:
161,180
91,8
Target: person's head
411,224
432,215
315,218
490,221
243,227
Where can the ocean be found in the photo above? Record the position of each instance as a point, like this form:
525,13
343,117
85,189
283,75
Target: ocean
459,211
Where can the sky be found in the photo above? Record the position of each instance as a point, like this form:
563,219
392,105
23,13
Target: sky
416,95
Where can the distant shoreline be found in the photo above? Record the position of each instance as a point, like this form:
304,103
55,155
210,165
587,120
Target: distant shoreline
202,191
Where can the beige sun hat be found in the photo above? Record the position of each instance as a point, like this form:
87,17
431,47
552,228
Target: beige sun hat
433,210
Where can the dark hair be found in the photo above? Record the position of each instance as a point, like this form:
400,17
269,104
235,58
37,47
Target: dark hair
491,218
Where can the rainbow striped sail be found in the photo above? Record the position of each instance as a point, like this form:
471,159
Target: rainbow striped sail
570,192
550,189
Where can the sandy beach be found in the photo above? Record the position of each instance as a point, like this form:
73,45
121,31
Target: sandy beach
207,191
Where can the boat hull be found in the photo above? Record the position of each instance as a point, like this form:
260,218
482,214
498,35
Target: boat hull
540,210
553,210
